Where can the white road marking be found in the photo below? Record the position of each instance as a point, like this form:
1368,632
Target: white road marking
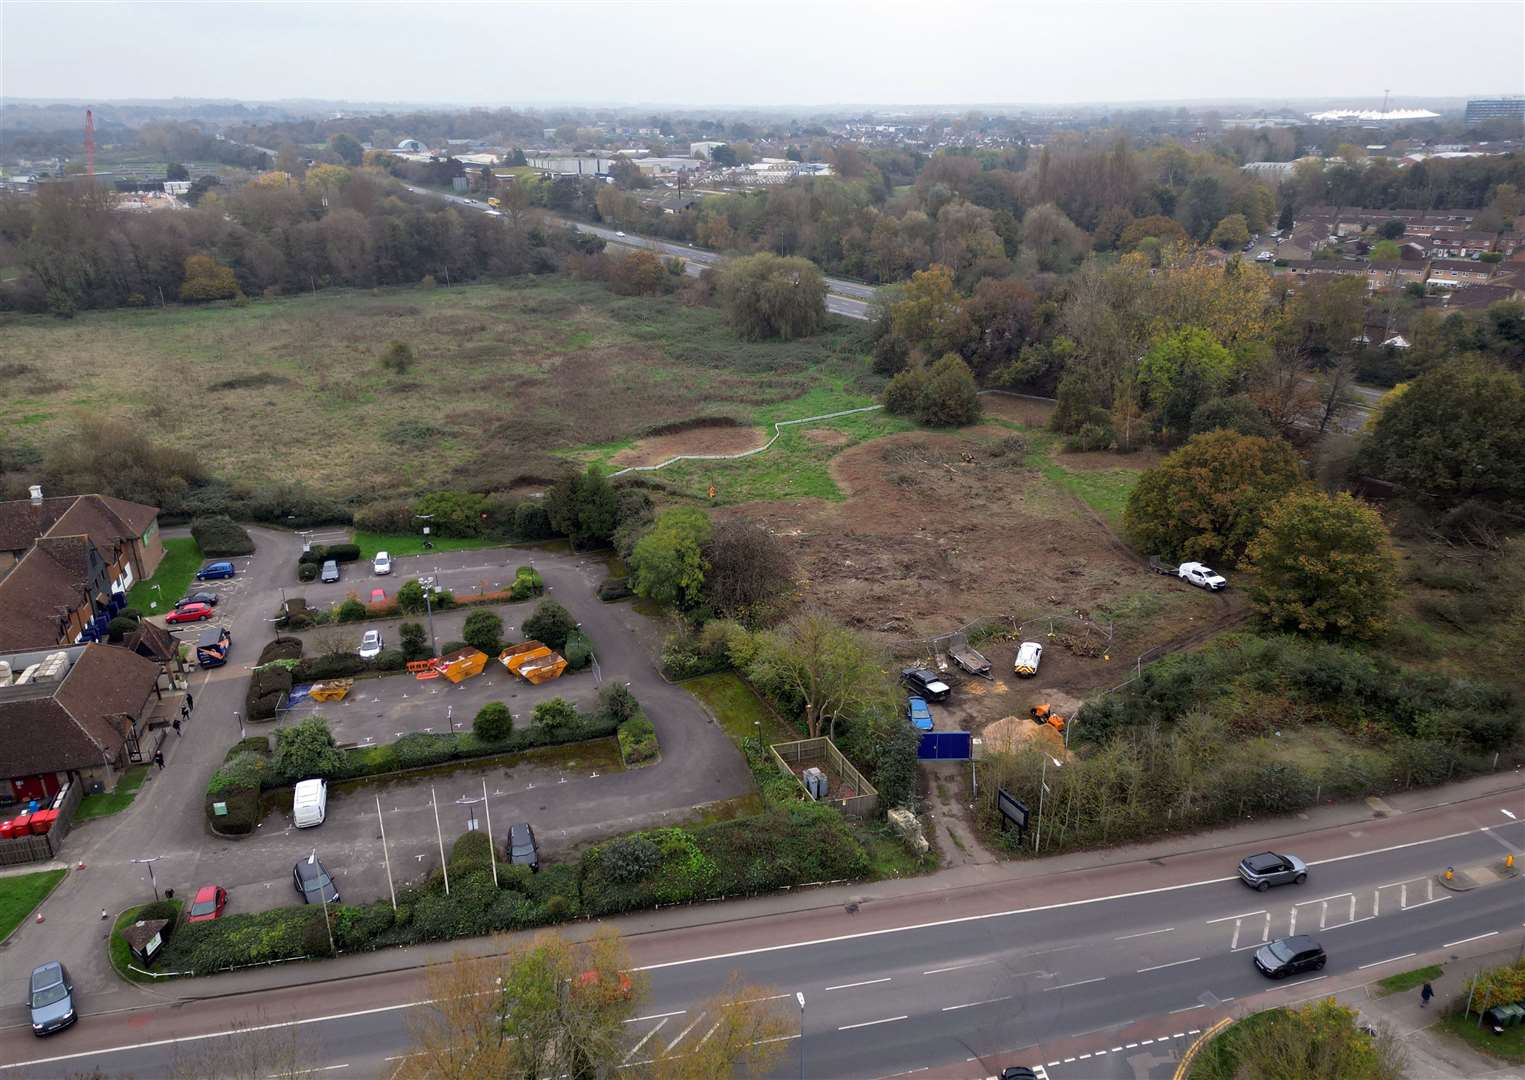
637,1047
1463,941
684,1032
958,967
1507,813
1082,982
1144,933
865,982
1173,963
1389,960
1302,982
972,1004
871,1023
1179,1035
1187,1008
307,1072
659,1016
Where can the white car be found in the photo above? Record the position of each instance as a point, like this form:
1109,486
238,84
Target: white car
382,563
1203,577
370,645
619,232
1029,655
1264,256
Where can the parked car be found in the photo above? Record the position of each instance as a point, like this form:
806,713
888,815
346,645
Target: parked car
1018,1072
370,645
313,882
1268,868
1289,956
925,683
330,571
590,982
51,999
521,846
208,598
208,905
378,596
190,613
1203,577
1265,256
309,803
917,712
382,563
1029,656
215,570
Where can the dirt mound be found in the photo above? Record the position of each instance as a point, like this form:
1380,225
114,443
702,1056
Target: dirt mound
724,439
825,436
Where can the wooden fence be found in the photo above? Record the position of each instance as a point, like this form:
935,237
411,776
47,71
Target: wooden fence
28,849
849,791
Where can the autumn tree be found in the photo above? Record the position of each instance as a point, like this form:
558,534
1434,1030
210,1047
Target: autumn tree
1051,242
667,564
1207,500
1323,565
928,313
751,572
1230,234
745,1033
207,279
1181,372
766,296
459,1035
347,148
832,670
943,395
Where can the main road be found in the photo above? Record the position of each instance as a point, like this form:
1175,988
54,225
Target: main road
1022,967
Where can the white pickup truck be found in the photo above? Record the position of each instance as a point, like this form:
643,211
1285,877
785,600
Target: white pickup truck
1195,573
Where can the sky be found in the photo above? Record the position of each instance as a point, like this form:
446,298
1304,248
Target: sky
781,53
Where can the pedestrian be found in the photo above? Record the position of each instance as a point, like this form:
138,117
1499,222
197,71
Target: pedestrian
190,702
1425,995
177,727
185,714
159,758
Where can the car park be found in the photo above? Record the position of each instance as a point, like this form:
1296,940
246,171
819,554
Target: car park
1268,868
1029,656
917,712
313,881
212,571
381,564
1290,956
207,598
208,904
370,645
522,850
330,571
50,997
925,683
190,613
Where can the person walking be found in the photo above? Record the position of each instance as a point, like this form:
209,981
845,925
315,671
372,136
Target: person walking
159,758
1425,995
176,726
190,702
185,714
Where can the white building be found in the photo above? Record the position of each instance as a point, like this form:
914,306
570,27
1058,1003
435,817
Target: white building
702,149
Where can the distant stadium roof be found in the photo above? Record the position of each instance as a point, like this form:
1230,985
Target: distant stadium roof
1375,114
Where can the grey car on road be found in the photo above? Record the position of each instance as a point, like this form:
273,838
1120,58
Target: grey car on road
1268,868
51,999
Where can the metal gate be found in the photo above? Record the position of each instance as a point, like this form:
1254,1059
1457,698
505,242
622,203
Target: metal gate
945,746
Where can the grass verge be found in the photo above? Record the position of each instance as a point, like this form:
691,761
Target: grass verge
1510,1046
1408,980
182,558
113,802
20,894
1219,1058
737,709
399,544
121,955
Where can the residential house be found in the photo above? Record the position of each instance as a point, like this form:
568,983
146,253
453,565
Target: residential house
1450,273
1394,274
1478,297
73,714
1460,245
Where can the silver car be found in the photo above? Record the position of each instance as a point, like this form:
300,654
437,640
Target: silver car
1268,868
51,999
370,645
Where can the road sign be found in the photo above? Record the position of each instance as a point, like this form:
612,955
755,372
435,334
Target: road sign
1012,809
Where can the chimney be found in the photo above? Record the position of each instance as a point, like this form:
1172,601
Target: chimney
36,494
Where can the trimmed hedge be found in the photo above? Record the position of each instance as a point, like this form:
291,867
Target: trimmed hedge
218,534
578,650
242,939
281,648
638,740
267,686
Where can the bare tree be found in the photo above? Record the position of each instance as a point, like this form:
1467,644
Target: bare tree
246,1052
741,1030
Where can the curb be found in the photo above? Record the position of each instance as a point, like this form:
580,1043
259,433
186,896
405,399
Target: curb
1184,1067
17,929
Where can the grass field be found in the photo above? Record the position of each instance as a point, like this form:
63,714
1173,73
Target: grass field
113,802
1408,980
121,955
508,378
737,709
1510,1046
182,558
21,893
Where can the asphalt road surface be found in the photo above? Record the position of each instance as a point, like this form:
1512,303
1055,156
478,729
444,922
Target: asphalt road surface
1125,961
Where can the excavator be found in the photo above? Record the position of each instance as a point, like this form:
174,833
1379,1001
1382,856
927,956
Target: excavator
1044,714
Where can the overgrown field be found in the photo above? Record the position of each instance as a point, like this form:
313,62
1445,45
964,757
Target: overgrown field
504,377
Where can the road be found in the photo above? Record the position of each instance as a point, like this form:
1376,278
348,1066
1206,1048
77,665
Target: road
850,299
1117,961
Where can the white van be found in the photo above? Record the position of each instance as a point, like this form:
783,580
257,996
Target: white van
310,804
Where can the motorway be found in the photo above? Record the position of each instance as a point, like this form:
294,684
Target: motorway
1094,962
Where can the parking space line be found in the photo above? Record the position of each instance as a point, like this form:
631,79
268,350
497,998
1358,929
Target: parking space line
637,1047
1082,982
865,982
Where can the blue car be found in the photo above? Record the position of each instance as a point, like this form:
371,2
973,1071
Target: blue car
920,715
214,570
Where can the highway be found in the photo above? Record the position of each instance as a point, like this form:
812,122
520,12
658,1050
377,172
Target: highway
963,980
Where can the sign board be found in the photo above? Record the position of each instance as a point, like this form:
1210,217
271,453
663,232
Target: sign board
944,746
1012,809
219,809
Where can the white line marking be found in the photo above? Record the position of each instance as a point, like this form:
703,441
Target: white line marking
972,1004
655,1016
865,982
637,1047
1130,1046
871,1023
1301,982
1508,814
1179,1035
1389,960
1146,1042
1082,1057
1226,918
1082,982
1116,1050
1144,933
1422,903
1187,1009
1463,941
958,967
684,1032
1173,963
307,1072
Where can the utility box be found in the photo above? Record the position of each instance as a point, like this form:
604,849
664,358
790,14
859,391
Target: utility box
816,783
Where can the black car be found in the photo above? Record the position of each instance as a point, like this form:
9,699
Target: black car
521,847
313,882
207,598
926,683
1018,1072
1289,956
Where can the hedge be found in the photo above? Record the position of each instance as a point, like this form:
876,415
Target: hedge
638,740
268,686
281,648
218,534
237,940
527,583
614,588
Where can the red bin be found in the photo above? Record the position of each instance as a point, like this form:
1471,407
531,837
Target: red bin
42,821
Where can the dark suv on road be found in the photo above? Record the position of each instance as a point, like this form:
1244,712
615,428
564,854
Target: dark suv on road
1289,956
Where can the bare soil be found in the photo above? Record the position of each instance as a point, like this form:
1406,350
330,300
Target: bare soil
655,449
1100,460
1018,410
826,436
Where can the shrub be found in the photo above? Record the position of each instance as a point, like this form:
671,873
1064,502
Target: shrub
390,660
531,521
420,748
638,740
471,851
351,610
554,716
550,623
307,571
484,630
527,583
119,627
239,939
493,722
578,650
394,516
331,666
218,534
453,513
614,588
306,749
1091,437
341,552
415,643
452,646
267,686
283,647
357,927
616,704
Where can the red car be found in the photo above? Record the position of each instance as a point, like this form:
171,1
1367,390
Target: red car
190,613
208,905
378,596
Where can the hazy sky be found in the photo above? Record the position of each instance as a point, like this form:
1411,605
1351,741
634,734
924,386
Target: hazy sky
716,52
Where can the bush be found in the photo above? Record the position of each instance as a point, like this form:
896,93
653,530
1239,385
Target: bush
341,552
218,534
268,685
1091,437
471,851
393,517
550,623
415,643
616,704
484,630
578,650
351,610
493,722
306,750
638,740
531,521
307,571
555,716
390,660
452,646
238,940
119,627
331,666
527,583
614,588
283,647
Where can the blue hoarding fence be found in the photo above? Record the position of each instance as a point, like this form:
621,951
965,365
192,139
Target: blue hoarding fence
945,746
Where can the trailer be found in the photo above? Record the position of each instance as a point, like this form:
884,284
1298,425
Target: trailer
1160,566
969,658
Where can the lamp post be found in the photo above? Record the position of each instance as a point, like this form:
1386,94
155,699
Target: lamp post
799,995
239,720
434,802
312,860
151,879
429,611
386,856
1042,791
471,824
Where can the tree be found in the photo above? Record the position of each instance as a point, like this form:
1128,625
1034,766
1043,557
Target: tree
1325,316
1386,251
1317,1041
483,630
723,155
667,564
1202,206
829,668
1457,433
1235,412
1391,230
415,645
306,750
1231,234
949,398
583,507
207,279
347,148
928,313
555,715
176,171
766,296
1181,372
550,623
493,722
751,1026
1207,500
751,572
1323,565
398,357
1051,242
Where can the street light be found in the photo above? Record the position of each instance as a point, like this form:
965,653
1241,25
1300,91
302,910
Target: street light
312,860
1042,791
434,801
471,824
152,880
385,855
242,734
799,995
